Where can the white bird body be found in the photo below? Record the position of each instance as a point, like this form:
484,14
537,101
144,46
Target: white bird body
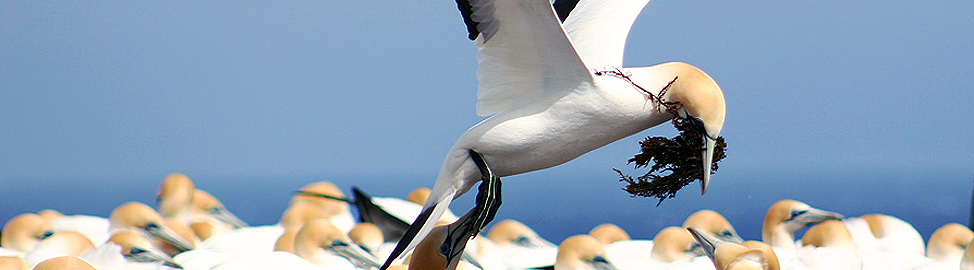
108,256
548,106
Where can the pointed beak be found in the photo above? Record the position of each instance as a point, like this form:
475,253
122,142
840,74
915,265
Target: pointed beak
167,235
142,255
813,216
708,157
707,241
226,217
358,256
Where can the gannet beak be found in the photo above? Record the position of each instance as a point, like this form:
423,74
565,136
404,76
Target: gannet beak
167,235
600,263
707,242
226,217
813,216
708,157
141,255
355,254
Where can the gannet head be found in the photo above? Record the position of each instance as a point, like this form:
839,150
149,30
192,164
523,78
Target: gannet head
787,216
204,203
582,252
175,195
512,233
140,217
730,256
831,233
137,248
367,236
23,232
319,237
329,207
949,242
64,263
50,214
66,243
675,244
608,233
713,222
702,102
419,195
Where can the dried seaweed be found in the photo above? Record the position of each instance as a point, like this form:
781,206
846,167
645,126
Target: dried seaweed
680,156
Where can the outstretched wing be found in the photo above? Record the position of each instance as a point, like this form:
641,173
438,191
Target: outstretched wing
524,54
599,28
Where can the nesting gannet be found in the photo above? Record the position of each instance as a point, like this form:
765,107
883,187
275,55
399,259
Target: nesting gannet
304,207
13,263
141,218
671,248
94,227
715,223
786,217
368,237
582,252
885,233
22,232
128,250
321,242
829,245
64,263
57,245
554,93
947,247
179,199
520,246
608,233
731,256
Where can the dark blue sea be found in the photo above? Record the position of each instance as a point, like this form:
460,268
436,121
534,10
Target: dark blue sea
556,204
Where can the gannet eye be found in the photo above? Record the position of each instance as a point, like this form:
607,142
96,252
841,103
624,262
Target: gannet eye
727,233
445,249
796,213
45,235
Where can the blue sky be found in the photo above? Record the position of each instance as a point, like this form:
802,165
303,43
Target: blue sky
114,90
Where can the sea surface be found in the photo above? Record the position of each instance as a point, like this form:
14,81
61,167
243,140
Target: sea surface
555,204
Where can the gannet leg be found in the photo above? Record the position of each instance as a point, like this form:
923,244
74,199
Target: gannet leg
474,221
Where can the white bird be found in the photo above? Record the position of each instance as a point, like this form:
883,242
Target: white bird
782,220
947,246
60,244
886,242
554,93
143,219
714,223
520,246
22,233
582,252
127,250
829,245
179,198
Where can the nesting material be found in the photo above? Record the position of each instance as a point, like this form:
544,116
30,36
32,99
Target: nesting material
673,163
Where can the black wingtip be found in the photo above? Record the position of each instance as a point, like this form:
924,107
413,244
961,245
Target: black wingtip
564,7
408,237
466,10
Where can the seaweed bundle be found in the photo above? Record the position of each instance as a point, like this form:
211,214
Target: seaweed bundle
680,156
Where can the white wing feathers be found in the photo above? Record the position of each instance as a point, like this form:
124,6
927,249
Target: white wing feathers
526,51
598,29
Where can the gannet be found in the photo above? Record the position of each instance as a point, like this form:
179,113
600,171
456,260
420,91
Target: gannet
57,245
179,199
731,256
829,245
64,263
554,93
783,219
947,246
520,246
141,218
715,223
368,237
22,232
786,217
608,233
304,207
672,247
582,252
